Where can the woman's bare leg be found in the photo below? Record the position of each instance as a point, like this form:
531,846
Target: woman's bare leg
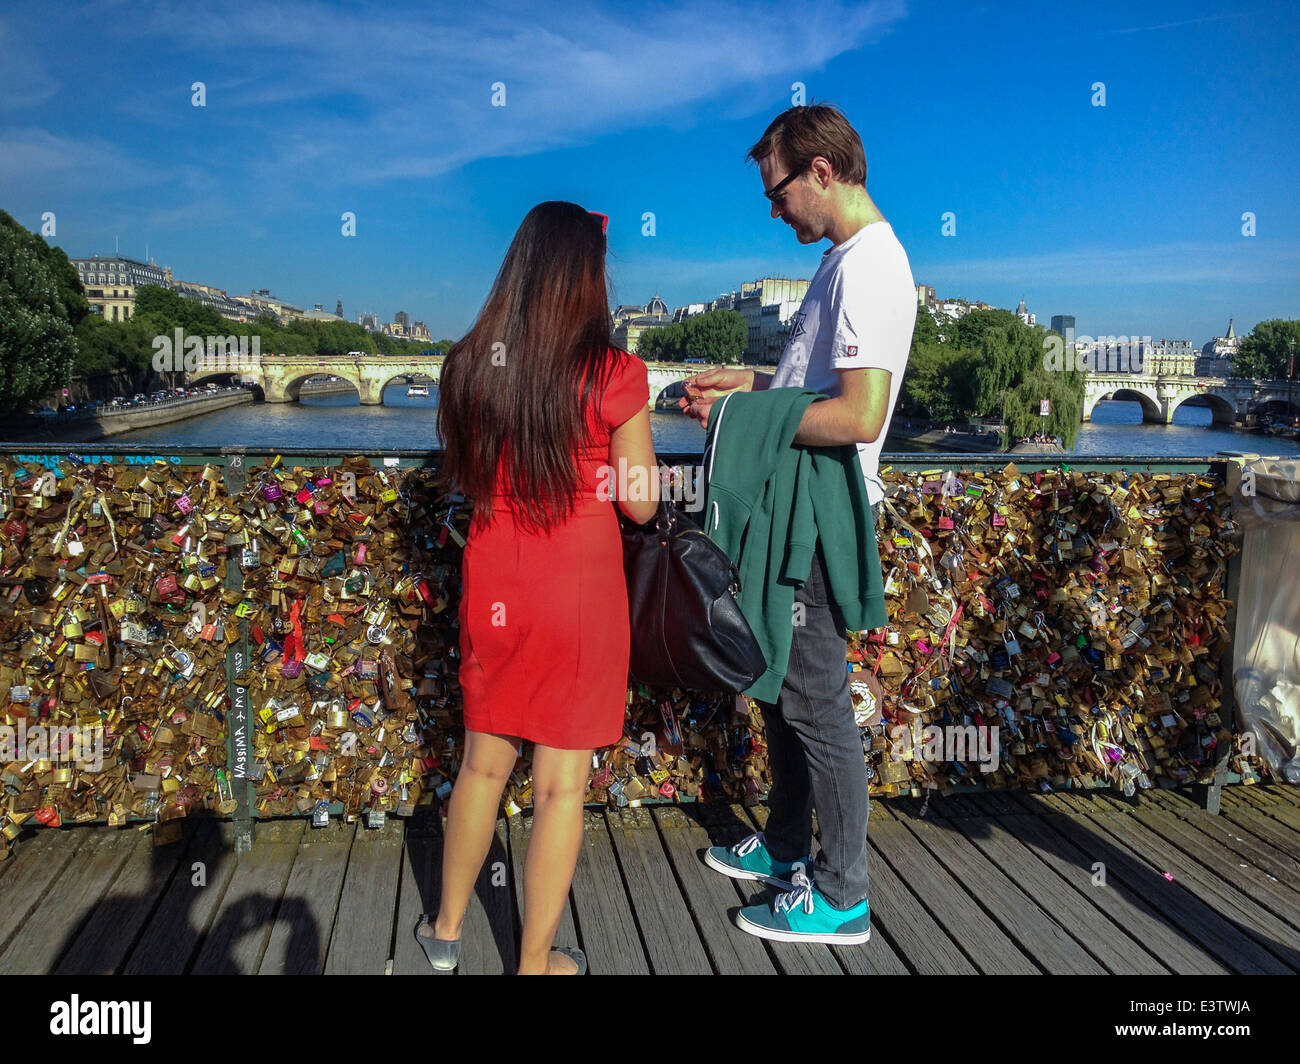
559,786
471,821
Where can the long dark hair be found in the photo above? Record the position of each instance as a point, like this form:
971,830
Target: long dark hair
508,386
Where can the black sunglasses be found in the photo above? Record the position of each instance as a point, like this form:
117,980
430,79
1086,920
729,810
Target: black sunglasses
777,189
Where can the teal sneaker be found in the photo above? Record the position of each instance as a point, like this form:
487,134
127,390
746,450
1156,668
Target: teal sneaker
749,859
804,915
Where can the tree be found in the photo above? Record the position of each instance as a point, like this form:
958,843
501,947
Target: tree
1266,353
1065,392
926,329
41,304
663,343
937,382
720,336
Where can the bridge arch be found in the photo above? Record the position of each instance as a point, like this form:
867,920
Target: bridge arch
288,389
1150,406
1222,410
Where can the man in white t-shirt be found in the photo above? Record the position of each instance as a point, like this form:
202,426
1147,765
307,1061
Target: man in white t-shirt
849,340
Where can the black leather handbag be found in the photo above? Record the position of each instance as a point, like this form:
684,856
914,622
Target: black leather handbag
687,628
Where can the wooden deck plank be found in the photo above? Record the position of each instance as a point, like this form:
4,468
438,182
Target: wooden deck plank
242,925
304,921
1223,856
1180,906
671,939
602,910
1245,798
127,908
1287,792
40,859
1264,827
362,940
520,831
488,943
70,902
1272,934
1268,858
1071,852
709,895
1018,913
419,887
1095,931
917,943
175,930
989,948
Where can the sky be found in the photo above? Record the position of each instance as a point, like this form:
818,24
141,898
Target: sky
1128,216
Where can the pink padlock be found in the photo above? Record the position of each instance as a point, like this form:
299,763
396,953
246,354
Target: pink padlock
361,554
184,505
945,524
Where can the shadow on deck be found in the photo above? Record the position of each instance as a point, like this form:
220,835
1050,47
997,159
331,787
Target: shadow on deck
990,883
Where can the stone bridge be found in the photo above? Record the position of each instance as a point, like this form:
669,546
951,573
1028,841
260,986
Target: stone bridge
1230,400
281,377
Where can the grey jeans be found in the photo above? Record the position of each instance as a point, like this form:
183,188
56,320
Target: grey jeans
814,748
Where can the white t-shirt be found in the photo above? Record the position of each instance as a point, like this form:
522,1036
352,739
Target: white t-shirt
858,314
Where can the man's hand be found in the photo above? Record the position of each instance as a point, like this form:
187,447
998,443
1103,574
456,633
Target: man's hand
715,383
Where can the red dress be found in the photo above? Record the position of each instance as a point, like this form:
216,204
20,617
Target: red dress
543,617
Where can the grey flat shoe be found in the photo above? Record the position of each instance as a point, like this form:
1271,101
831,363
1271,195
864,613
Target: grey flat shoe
443,954
578,956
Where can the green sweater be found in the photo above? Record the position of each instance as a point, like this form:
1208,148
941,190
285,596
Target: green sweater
767,501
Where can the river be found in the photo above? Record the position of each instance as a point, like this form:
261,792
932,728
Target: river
340,423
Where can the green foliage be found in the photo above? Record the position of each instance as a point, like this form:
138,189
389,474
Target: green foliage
990,366
719,336
1065,392
937,382
41,304
1266,353
108,346
926,329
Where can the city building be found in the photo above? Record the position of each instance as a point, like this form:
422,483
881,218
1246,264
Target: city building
262,302
216,298
1134,354
401,326
925,296
110,283
319,313
630,321
1063,324
1024,315
766,342
1218,354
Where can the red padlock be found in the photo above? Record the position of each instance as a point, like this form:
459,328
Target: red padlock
666,789
49,816
15,530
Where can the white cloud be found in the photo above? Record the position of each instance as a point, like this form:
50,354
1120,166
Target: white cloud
400,76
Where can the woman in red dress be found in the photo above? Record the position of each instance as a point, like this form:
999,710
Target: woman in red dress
533,403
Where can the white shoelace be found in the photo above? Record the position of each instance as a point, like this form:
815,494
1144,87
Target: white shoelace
801,895
749,845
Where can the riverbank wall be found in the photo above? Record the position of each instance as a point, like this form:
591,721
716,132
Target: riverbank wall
114,422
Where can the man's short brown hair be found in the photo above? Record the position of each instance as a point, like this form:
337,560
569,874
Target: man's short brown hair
799,135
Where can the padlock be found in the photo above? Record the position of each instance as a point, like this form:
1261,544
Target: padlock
1011,643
